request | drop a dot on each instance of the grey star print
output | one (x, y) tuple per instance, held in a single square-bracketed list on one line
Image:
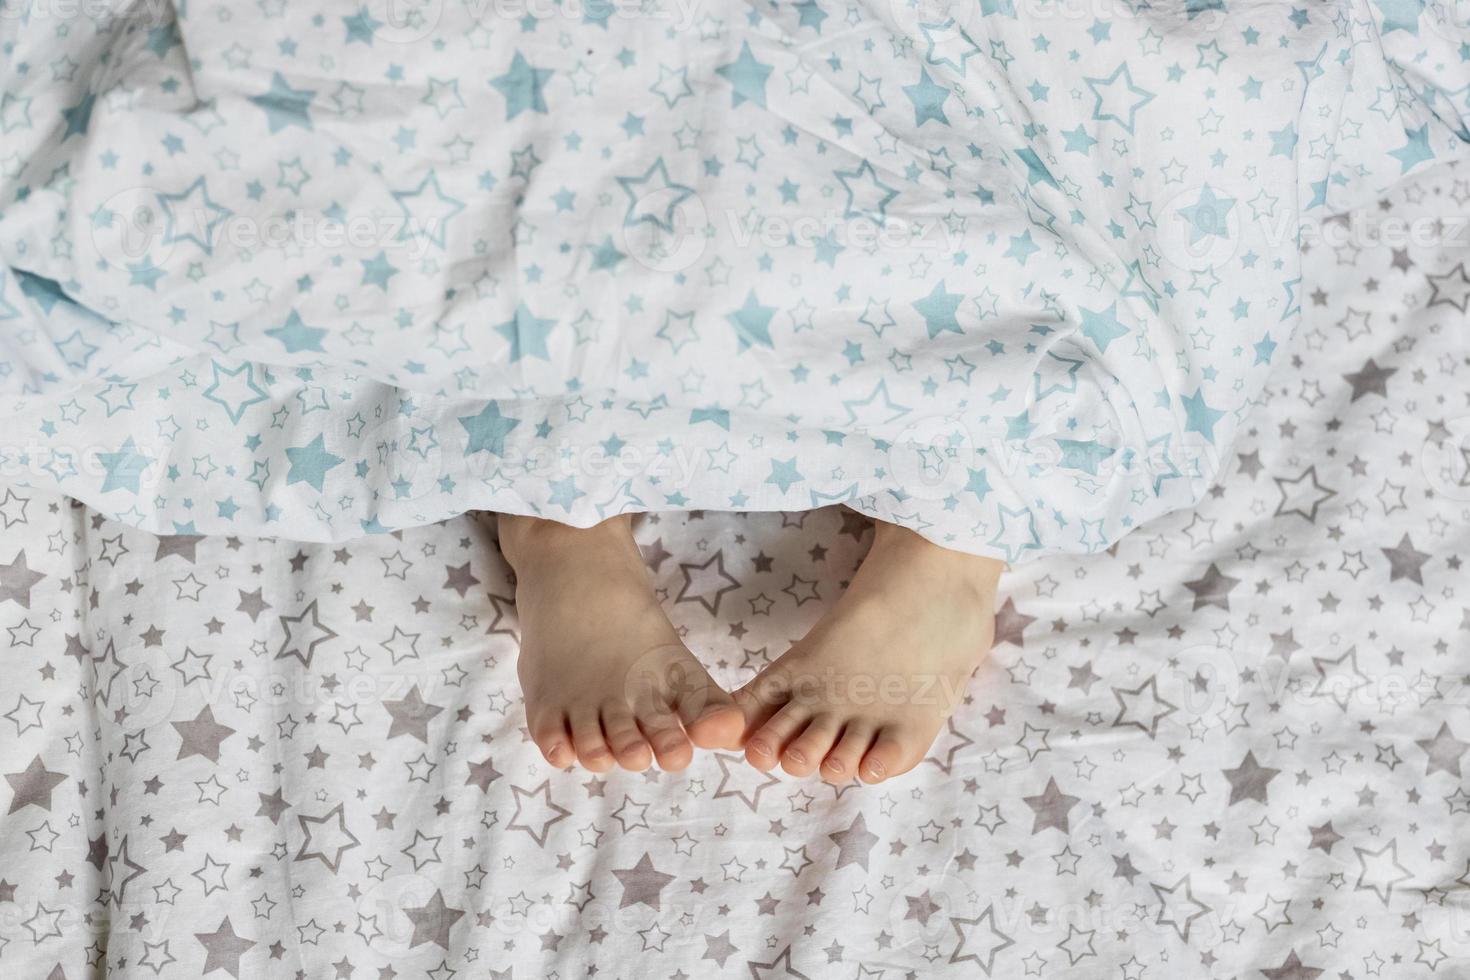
[(1233, 746)]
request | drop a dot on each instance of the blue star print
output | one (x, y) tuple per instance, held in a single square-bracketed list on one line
[(1010, 280)]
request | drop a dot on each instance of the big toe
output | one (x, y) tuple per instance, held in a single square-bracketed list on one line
[(721, 725), (708, 714)]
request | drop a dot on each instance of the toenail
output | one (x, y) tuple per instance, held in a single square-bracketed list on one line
[(833, 764), (795, 755), (759, 747), (875, 769)]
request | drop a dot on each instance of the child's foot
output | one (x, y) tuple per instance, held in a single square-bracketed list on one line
[(867, 690), (606, 680)]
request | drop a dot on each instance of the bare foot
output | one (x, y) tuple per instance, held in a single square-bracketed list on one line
[(606, 680), (867, 690)]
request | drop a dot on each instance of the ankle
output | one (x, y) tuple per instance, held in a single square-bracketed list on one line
[(524, 540), (939, 567)]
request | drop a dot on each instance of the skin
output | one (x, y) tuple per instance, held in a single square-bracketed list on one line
[(606, 679), (863, 695)]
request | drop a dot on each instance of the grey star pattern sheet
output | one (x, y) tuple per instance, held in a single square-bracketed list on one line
[(1006, 274), (1235, 745)]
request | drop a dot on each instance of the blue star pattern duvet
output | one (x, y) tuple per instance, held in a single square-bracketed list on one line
[(1007, 273)]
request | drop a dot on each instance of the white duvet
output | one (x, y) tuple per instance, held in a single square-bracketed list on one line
[(1009, 274)]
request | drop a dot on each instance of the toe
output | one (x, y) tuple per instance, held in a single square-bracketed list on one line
[(592, 750), (763, 749), (807, 750), (841, 764), (707, 711), (549, 732), (719, 726), (670, 745), (627, 743), (890, 756)]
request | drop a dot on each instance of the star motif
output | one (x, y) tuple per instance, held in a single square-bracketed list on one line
[(642, 883), (1209, 217), (747, 78), (482, 774), (535, 812), (928, 99), (997, 942), (326, 837), (938, 310), (32, 786), (654, 198), (854, 844), (433, 921), (1112, 93), (1102, 327), (285, 106), (1050, 808), (1212, 589), (1370, 380), (297, 630), (411, 715), (460, 579), (782, 963), (487, 430), (1011, 623), (183, 545), (706, 583), (124, 467), (310, 463), (752, 323), (1249, 780), (1291, 968), (1199, 416), (527, 334), (17, 580), (524, 87), (1406, 561), (223, 949), (1444, 751), (201, 736), (296, 336)]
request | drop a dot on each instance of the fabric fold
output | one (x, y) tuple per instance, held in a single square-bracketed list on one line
[(1009, 279)]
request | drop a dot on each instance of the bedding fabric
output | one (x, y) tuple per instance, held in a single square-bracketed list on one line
[(1236, 745), (1007, 274)]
